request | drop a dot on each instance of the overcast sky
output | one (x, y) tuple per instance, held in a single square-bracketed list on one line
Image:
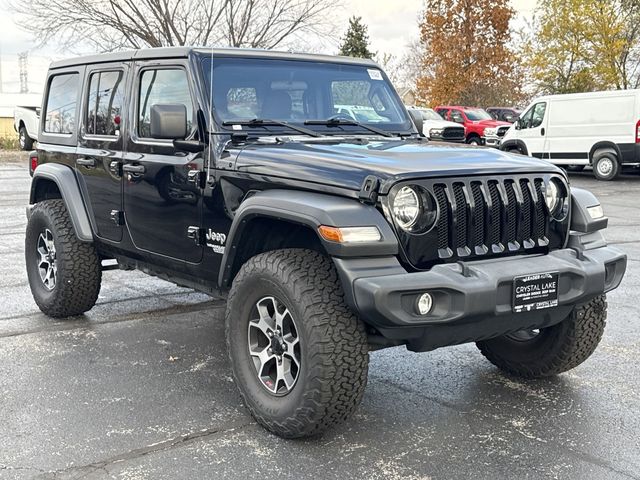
[(392, 25)]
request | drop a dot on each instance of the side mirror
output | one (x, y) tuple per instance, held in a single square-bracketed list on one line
[(517, 124), (168, 121), (418, 121)]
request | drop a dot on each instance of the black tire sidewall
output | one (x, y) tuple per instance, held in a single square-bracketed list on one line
[(249, 292), (38, 223)]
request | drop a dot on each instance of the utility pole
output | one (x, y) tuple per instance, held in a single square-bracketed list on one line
[(23, 65)]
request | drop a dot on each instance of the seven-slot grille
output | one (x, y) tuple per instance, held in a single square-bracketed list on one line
[(490, 216)]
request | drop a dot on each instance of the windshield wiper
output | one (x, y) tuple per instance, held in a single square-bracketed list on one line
[(337, 121), (264, 122)]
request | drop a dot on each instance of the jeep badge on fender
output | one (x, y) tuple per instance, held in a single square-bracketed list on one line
[(298, 188)]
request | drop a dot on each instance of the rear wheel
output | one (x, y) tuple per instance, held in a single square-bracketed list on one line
[(299, 355), (605, 165), (25, 141), (64, 273), (553, 350)]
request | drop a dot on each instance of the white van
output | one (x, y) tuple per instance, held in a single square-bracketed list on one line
[(601, 129)]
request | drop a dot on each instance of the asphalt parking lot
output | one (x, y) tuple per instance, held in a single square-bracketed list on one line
[(140, 388)]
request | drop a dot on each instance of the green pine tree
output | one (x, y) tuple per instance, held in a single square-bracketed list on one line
[(355, 43)]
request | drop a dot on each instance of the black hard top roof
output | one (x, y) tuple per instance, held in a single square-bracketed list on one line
[(183, 52)]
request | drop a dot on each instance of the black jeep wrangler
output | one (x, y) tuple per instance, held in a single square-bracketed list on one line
[(232, 172)]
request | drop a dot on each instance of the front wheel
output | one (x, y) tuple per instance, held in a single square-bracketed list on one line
[(298, 353), (474, 141), (553, 350)]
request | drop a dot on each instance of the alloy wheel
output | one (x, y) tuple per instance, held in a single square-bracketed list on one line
[(47, 266), (274, 345)]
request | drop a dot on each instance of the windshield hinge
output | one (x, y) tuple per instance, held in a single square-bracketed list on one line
[(369, 190)]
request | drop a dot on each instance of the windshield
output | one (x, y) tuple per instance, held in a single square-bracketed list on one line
[(477, 114), (430, 114), (296, 91)]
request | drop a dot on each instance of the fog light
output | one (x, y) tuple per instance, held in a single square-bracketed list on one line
[(425, 302)]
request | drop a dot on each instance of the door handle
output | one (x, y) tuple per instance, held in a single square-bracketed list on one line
[(139, 169), (86, 162), (542, 131)]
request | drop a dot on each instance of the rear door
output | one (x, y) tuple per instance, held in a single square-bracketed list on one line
[(100, 146), (162, 203)]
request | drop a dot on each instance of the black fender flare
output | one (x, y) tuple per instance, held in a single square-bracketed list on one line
[(515, 143), (312, 210), (581, 220), (607, 147), (64, 177)]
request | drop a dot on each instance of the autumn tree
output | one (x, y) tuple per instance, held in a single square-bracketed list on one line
[(466, 57), (584, 45), (107, 25), (355, 43)]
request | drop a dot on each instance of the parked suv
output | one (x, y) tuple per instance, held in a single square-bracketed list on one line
[(328, 236), (480, 127)]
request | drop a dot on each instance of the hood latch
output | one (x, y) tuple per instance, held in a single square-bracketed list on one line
[(369, 191)]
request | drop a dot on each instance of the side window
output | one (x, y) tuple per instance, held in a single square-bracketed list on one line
[(456, 116), (60, 111), (104, 106), (162, 87), (538, 114), (525, 119)]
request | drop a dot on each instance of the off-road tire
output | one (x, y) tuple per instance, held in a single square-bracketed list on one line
[(605, 156), (555, 349), (25, 141), (79, 270), (334, 350)]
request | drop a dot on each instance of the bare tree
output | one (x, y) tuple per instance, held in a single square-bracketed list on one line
[(107, 25)]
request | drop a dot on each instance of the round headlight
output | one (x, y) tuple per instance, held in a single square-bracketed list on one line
[(406, 208), (552, 196)]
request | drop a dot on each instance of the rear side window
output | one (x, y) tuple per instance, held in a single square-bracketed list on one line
[(104, 107), (60, 113), (162, 87)]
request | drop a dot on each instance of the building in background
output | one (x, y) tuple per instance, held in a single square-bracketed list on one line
[(22, 78)]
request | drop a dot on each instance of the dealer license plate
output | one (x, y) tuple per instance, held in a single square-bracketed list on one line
[(535, 292)]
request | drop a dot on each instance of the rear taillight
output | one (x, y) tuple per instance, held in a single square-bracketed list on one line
[(33, 162), (638, 131)]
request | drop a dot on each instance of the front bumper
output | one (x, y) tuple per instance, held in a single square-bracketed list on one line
[(473, 300), (492, 141)]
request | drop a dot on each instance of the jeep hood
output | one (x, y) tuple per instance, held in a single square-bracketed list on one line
[(346, 165)]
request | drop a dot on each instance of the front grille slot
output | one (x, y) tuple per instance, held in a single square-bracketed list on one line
[(486, 216)]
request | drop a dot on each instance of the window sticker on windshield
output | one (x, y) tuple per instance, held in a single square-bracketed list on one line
[(374, 74), (236, 127)]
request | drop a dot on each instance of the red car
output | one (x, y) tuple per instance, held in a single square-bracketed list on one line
[(480, 127)]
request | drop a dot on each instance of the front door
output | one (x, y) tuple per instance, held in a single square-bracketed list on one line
[(532, 131), (162, 203), (100, 146)]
